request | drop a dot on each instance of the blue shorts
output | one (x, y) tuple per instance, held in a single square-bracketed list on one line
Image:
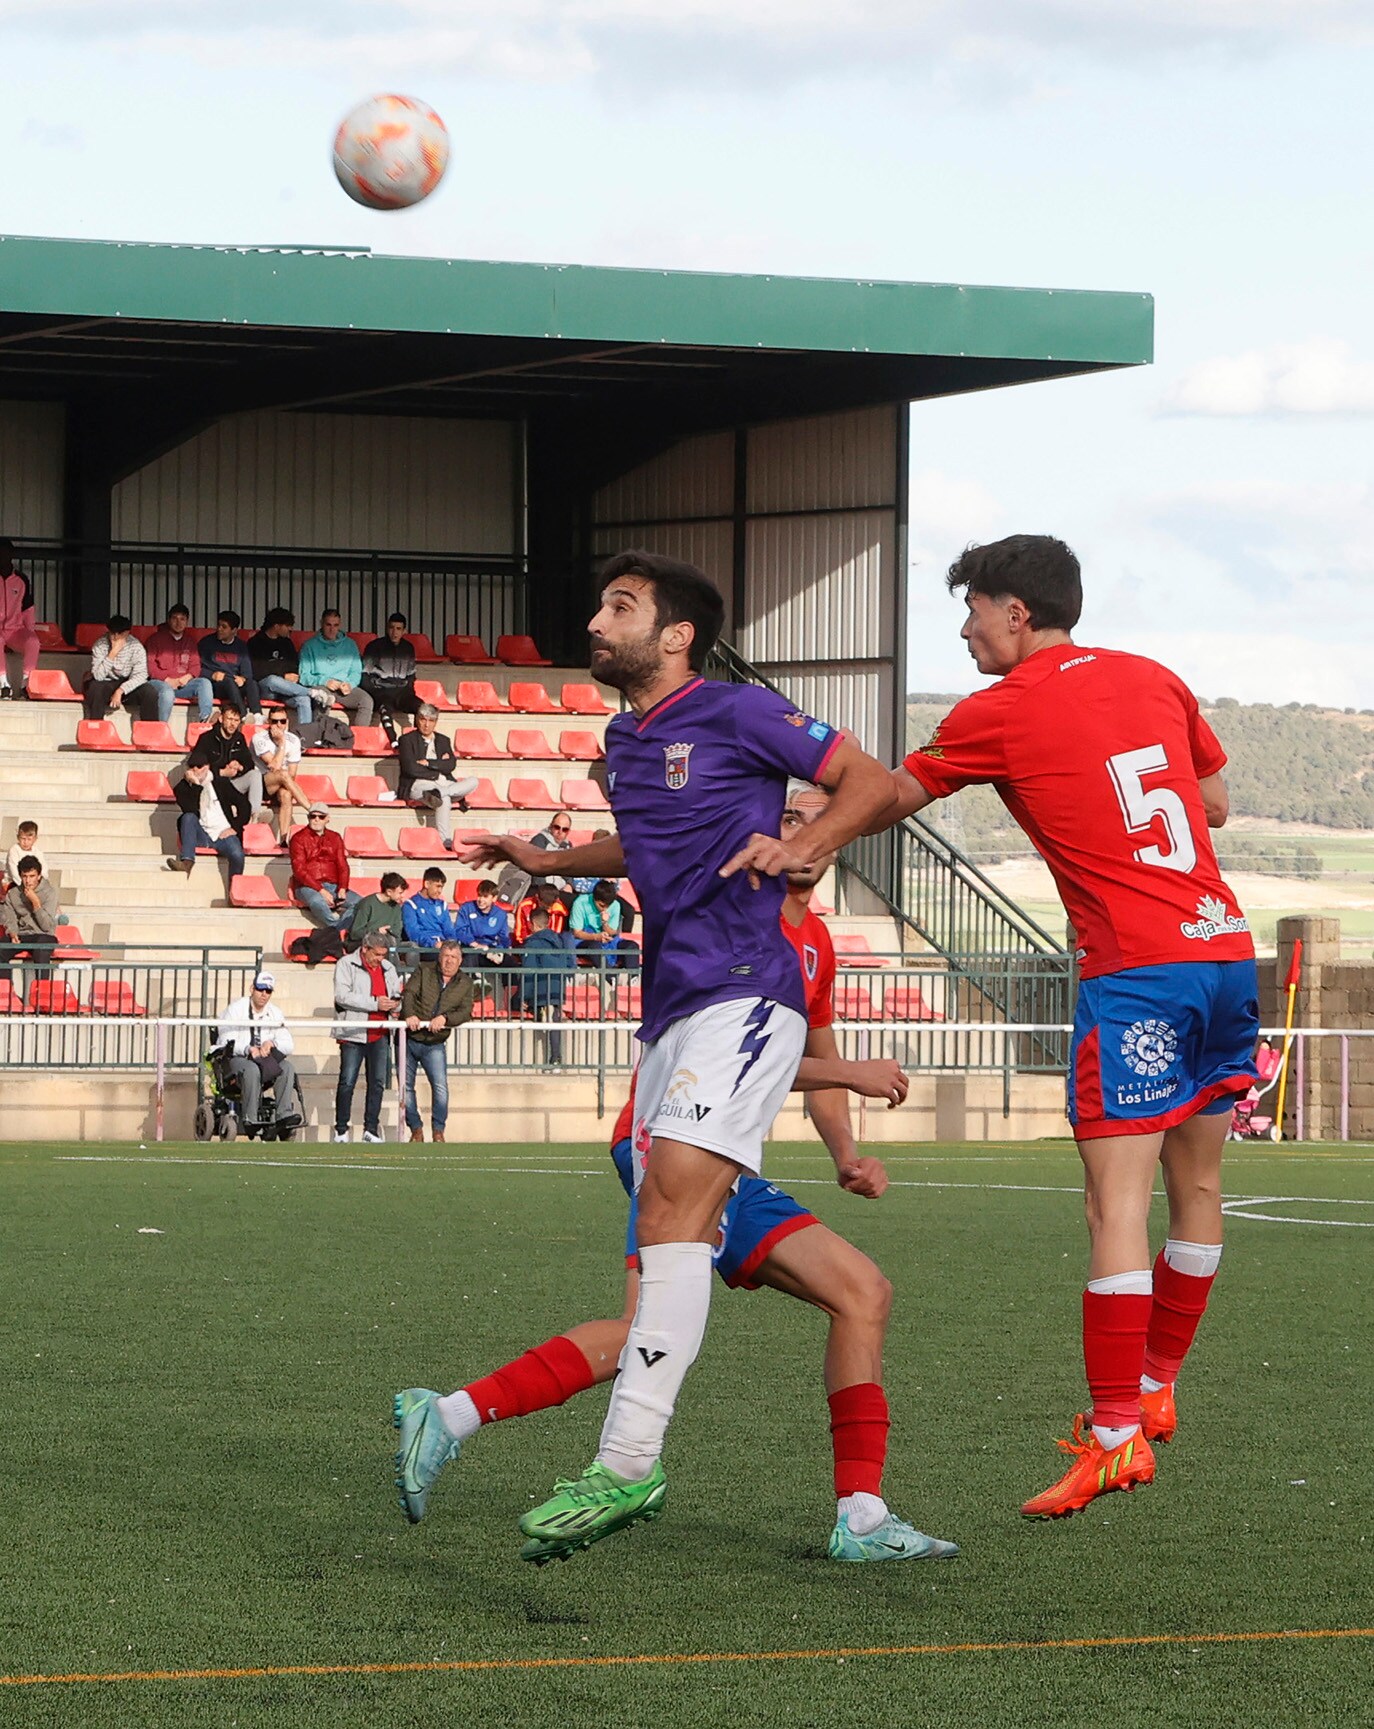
[(757, 1217), (1153, 1046)]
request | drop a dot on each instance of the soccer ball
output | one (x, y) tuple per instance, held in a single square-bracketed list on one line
[(390, 152)]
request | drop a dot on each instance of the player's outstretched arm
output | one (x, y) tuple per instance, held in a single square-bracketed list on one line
[(598, 858), (861, 796), (908, 796)]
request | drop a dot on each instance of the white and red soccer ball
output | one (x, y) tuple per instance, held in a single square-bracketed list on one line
[(390, 152)]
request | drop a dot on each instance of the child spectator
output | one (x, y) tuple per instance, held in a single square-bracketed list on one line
[(595, 926), (25, 846), (547, 960), (484, 924), (547, 897)]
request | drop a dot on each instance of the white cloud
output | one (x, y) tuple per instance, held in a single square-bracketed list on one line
[(1319, 377), (946, 512)]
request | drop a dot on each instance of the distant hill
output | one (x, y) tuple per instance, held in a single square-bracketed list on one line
[(1296, 764)]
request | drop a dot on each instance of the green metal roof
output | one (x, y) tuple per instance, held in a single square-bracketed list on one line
[(360, 291)]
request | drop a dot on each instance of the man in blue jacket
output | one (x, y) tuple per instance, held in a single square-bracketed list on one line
[(426, 918), (224, 660), (484, 924), (331, 668)]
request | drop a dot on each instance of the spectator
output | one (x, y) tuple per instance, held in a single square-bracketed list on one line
[(119, 667), (484, 924), (174, 670), (594, 924), (25, 846), (367, 991), (429, 771), (331, 669), (223, 749), (585, 885), (28, 918), (435, 1000), (262, 1045), (381, 912), (16, 621), (214, 813), (319, 871), (547, 961), (224, 661), (278, 751), (389, 673), (513, 884), (276, 665), (547, 898), (427, 919)]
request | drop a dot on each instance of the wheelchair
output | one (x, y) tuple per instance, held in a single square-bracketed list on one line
[(219, 1115)]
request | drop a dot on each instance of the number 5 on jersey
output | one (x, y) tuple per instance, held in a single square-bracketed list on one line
[(1140, 805)]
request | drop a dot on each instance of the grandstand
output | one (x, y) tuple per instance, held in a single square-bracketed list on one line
[(463, 441)]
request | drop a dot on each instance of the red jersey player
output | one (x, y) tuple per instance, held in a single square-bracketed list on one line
[(1106, 763)]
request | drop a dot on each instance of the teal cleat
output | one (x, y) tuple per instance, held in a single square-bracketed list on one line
[(581, 1513), (426, 1447), (893, 1540)]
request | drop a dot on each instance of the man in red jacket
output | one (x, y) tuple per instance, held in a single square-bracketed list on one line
[(319, 872)]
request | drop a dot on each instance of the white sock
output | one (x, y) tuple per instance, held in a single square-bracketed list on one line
[(863, 1513), (459, 1415), (1194, 1260), (1148, 1384), (1111, 1437), (665, 1336), (1139, 1284), (4, 681)]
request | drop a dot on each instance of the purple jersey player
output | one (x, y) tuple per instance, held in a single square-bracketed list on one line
[(697, 773)]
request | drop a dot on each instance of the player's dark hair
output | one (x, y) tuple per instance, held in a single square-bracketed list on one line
[(682, 595), (392, 880), (604, 893), (178, 606), (227, 707), (434, 875), (279, 615), (230, 617), (397, 618), (118, 623), (539, 917), (486, 887), (29, 863), (1036, 569), (28, 826)]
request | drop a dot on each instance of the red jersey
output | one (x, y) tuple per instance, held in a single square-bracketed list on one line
[(1098, 756)]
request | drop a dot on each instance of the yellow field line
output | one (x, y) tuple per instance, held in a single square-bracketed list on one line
[(673, 1658)]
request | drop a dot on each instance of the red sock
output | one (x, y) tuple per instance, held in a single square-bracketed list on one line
[(858, 1432), (1114, 1355), (1180, 1301), (548, 1375)]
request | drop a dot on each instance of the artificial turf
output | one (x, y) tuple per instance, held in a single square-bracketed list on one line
[(199, 1456)]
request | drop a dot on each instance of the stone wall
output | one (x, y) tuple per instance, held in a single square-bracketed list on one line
[(1332, 992)]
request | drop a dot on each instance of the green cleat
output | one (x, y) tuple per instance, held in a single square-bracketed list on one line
[(581, 1513), (893, 1540), (426, 1447)]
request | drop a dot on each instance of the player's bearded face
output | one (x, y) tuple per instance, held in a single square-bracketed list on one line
[(625, 648)]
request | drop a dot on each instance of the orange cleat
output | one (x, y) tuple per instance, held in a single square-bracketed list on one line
[(1159, 1415), (1095, 1471)]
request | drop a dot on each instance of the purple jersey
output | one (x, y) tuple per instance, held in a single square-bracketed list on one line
[(689, 783)]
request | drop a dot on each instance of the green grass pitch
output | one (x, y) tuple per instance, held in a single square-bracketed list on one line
[(198, 1455)]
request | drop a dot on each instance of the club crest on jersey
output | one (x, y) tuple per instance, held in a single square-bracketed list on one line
[(811, 962), (676, 760)]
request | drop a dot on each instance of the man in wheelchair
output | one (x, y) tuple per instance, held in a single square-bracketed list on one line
[(253, 1057)]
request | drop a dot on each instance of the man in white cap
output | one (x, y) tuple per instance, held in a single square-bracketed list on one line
[(262, 1045)]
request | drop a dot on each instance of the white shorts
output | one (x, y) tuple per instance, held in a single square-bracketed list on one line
[(718, 1078)]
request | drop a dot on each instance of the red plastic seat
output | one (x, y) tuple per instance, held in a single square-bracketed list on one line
[(11, 1003), (431, 691), (52, 997), (194, 729), (582, 1001), (371, 741), (852, 949), (488, 1009), (87, 635), (299, 638), (114, 997), (484, 796), (148, 786), (319, 787), (259, 841), (422, 843), (48, 686), (365, 842), (580, 747), (519, 651), (246, 891), (425, 652), (468, 651), (100, 735), (903, 1000), (528, 744), (154, 735), (853, 1001), (627, 893), (364, 885), (476, 743), (143, 631), (288, 937), (51, 639), (529, 794), (583, 795), (465, 889), (478, 696), (584, 699), (365, 789), (533, 699)]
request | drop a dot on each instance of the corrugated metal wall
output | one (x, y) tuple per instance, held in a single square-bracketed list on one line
[(350, 482), (32, 478)]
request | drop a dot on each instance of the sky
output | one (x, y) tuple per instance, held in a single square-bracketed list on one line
[(1215, 153)]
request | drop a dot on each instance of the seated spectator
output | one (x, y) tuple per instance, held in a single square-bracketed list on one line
[(594, 923), (319, 871), (547, 898), (16, 621), (434, 1001), (513, 884), (25, 846), (382, 912), (119, 667), (224, 750), (262, 1045), (389, 673), (224, 661), (484, 924), (547, 961), (214, 813), (426, 919), (278, 751), (276, 665), (331, 669), (174, 669), (585, 885), (28, 918), (429, 771)]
